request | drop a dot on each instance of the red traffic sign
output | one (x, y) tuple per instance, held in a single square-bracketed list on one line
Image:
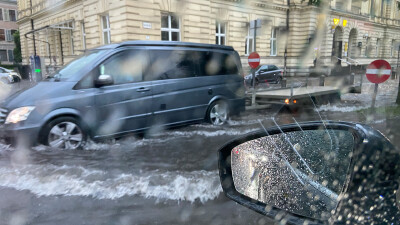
[(254, 60), (378, 71)]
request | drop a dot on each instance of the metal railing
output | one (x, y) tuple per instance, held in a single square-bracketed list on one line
[(355, 61), (343, 60)]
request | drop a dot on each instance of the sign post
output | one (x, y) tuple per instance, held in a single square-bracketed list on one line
[(254, 62), (378, 72)]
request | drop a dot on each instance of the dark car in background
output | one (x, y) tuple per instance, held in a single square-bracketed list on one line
[(266, 74), (129, 87)]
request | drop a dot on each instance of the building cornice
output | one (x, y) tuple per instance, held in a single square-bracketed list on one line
[(45, 10)]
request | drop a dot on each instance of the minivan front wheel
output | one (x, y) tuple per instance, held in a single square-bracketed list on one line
[(218, 113), (65, 133)]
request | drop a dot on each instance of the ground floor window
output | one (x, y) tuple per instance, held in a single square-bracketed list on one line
[(10, 55), (3, 55)]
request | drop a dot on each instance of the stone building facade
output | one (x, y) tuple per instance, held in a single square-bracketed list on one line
[(8, 26), (340, 32)]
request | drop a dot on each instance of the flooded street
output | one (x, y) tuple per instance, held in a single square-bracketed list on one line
[(166, 177)]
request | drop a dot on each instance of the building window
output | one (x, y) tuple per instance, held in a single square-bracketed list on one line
[(220, 33), (9, 35), (83, 35), (170, 27), (106, 29), (249, 46), (13, 15), (72, 42), (1, 14), (2, 35), (392, 48), (366, 53), (3, 55), (10, 55), (6, 14), (273, 42), (377, 47)]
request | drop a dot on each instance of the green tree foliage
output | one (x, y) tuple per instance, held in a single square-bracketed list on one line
[(17, 49)]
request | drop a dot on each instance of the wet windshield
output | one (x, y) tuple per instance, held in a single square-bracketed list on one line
[(135, 140)]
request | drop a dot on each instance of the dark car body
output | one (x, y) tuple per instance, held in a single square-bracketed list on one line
[(266, 73), (175, 84)]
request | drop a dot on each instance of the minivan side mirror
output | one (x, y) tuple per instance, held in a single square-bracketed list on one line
[(104, 80), (314, 173)]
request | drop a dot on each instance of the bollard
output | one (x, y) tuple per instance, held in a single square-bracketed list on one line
[(352, 75), (283, 83), (322, 80)]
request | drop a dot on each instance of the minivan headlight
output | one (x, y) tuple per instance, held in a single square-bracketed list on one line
[(19, 114)]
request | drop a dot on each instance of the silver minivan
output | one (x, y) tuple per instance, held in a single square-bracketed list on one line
[(124, 88)]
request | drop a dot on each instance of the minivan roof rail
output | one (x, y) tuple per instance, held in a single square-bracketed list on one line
[(167, 43)]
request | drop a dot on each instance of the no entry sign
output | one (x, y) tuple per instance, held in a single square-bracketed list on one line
[(254, 60), (378, 71)]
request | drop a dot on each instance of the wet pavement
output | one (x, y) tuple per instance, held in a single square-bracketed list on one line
[(167, 177)]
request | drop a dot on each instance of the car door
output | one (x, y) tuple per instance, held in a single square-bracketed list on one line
[(262, 73), (271, 73), (124, 106), (176, 96)]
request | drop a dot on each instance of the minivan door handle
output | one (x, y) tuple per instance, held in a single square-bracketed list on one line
[(143, 89)]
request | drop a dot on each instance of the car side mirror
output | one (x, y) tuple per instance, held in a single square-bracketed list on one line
[(104, 80), (312, 173)]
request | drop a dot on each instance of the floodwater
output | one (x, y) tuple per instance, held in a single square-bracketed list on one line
[(167, 177)]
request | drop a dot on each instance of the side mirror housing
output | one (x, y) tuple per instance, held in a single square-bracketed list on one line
[(104, 80), (313, 173)]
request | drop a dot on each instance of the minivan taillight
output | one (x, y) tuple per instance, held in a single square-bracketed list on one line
[(282, 73)]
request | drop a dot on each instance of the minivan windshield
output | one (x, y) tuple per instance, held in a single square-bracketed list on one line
[(76, 65)]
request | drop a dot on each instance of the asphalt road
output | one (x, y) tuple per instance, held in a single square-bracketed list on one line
[(168, 177)]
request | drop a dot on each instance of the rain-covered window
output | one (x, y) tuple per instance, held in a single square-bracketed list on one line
[(273, 41), (105, 21), (170, 28), (220, 33), (124, 67)]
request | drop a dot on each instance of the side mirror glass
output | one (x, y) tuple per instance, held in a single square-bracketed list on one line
[(104, 80), (313, 173), (302, 172)]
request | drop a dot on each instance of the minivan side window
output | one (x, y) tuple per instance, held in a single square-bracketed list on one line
[(124, 67), (169, 64), (217, 63)]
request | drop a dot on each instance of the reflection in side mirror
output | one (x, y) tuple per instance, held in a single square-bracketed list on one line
[(302, 172), (104, 80)]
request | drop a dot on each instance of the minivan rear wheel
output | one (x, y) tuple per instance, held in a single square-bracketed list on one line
[(218, 113), (65, 133)]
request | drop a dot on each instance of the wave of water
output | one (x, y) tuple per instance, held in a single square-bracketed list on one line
[(50, 180), (338, 108)]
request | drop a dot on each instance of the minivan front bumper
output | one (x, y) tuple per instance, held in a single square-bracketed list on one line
[(20, 134)]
